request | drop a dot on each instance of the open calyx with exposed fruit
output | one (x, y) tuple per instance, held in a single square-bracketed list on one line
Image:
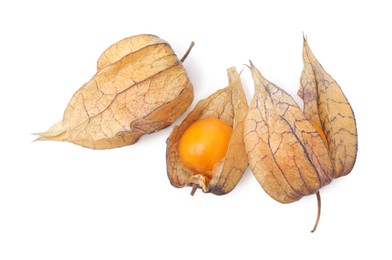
[(207, 149)]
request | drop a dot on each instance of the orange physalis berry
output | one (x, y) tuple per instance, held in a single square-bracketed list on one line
[(203, 144)]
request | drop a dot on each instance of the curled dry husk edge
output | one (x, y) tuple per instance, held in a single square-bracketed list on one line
[(230, 105)]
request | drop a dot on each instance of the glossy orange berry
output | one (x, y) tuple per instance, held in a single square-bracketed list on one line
[(203, 144)]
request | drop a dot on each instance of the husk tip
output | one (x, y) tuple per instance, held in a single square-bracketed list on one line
[(232, 70), (39, 138), (254, 70), (305, 37), (251, 64)]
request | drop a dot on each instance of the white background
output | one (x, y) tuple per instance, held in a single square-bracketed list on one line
[(62, 201)]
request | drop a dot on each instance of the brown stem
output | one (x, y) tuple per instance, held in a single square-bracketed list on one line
[(318, 211), (194, 188), (187, 52)]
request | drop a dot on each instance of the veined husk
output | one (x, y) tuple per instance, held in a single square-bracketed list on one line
[(286, 153), (140, 87), (230, 105), (327, 106)]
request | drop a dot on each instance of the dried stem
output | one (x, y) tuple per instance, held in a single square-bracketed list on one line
[(187, 52), (318, 211), (194, 188)]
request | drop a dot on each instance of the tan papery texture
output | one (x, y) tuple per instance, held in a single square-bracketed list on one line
[(230, 105), (140, 87), (326, 105), (286, 153)]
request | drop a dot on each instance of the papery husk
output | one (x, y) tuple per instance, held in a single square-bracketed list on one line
[(230, 105), (140, 87), (286, 153), (327, 106)]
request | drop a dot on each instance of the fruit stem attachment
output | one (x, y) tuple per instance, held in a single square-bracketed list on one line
[(318, 211), (187, 52), (194, 188)]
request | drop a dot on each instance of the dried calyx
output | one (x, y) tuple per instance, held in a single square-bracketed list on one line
[(228, 105), (140, 87), (293, 153)]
